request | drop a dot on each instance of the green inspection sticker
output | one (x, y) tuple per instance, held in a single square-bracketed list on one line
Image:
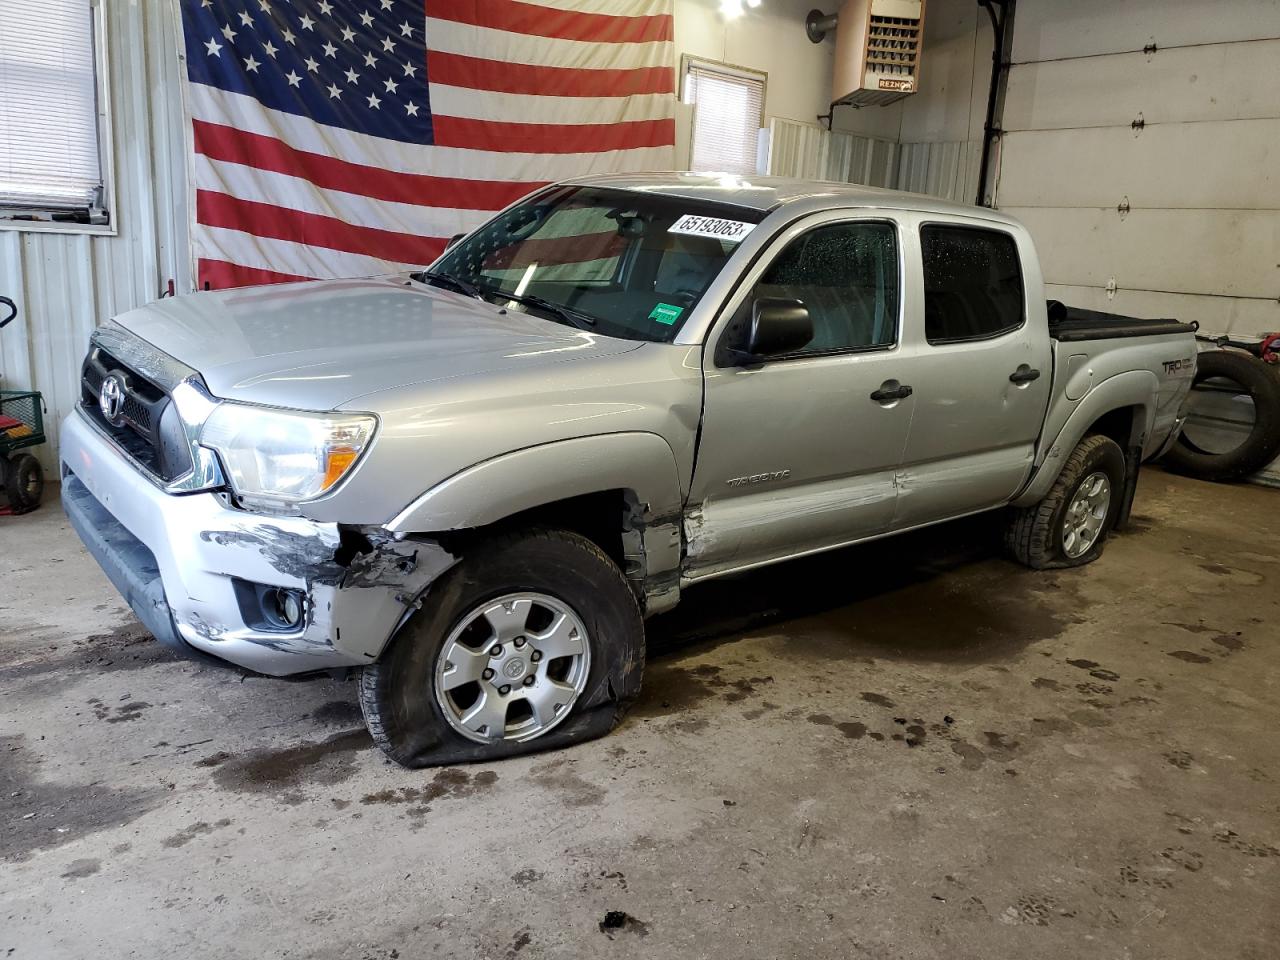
[(666, 313)]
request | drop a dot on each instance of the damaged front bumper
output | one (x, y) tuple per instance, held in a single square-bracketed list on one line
[(186, 564)]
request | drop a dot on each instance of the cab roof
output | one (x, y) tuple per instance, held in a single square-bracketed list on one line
[(769, 193)]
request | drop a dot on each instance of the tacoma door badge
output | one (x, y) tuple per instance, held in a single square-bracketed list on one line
[(759, 478)]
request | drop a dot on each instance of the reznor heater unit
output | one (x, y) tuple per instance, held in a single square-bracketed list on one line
[(877, 49)]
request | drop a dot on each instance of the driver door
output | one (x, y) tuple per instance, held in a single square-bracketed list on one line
[(795, 454)]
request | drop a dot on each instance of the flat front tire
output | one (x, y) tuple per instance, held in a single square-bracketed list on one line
[(532, 641), (1069, 527)]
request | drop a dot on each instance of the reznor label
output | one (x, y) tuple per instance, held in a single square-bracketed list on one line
[(889, 83), (730, 230)]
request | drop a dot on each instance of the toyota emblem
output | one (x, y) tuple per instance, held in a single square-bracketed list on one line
[(111, 399)]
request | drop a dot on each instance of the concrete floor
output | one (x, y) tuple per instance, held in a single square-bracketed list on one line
[(913, 749)]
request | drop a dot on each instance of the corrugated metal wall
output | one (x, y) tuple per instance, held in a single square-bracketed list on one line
[(65, 284), (941, 169)]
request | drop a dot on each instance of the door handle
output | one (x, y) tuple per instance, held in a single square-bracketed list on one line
[(1024, 374), (890, 391)]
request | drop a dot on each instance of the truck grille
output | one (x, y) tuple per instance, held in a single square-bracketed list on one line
[(146, 425)]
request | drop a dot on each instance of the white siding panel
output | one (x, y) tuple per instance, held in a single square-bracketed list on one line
[(1222, 82), (66, 284), (1229, 164), (1234, 253), (1046, 29)]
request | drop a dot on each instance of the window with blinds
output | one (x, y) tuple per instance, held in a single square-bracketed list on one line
[(728, 111), (50, 158)]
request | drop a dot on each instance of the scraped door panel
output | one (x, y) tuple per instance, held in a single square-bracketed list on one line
[(795, 456)]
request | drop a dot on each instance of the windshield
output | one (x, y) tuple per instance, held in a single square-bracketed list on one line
[(624, 263)]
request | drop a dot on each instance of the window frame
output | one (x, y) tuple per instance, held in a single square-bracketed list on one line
[(106, 152), (778, 244), (688, 62), (924, 291)]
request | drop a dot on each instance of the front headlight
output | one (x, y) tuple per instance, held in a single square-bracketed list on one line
[(285, 455)]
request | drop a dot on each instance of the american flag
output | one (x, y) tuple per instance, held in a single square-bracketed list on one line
[(338, 139)]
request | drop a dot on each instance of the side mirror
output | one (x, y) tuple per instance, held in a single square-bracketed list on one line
[(454, 239), (778, 326)]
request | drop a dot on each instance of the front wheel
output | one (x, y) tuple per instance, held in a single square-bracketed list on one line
[(532, 641), (1069, 527)]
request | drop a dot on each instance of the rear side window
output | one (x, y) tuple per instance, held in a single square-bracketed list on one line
[(972, 284)]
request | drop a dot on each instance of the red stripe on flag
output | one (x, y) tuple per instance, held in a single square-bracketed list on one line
[(219, 274), (554, 251), (455, 70), (516, 17), (220, 142), (281, 223), (552, 137)]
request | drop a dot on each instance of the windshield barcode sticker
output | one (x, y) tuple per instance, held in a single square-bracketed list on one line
[(731, 230)]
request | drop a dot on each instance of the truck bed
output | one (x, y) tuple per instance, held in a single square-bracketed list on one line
[(1070, 324)]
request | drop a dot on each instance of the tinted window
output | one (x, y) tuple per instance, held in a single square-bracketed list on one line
[(972, 284), (847, 275)]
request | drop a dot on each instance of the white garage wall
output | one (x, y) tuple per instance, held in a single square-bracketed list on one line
[(1187, 137), (65, 284), (1200, 237)]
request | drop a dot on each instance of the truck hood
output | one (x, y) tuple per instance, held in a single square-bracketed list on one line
[(321, 344)]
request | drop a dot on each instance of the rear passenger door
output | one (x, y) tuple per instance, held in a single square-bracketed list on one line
[(981, 374)]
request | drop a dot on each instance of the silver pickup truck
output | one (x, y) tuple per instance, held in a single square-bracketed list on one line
[(475, 482)]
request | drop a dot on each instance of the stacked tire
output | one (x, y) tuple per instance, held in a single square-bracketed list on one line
[(1237, 375)]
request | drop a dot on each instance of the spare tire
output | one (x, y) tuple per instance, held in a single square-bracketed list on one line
[(1233, 418)]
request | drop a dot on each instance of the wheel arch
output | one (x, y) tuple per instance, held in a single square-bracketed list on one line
[(621, 490), (1121, 407)]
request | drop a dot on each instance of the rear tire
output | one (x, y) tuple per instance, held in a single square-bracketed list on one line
[(1069, 527), (1260, 447), (418, 722), (24, 483)]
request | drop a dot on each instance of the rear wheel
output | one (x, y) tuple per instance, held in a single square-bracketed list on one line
[(24, 483), (532, 641), (1069, 527)]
